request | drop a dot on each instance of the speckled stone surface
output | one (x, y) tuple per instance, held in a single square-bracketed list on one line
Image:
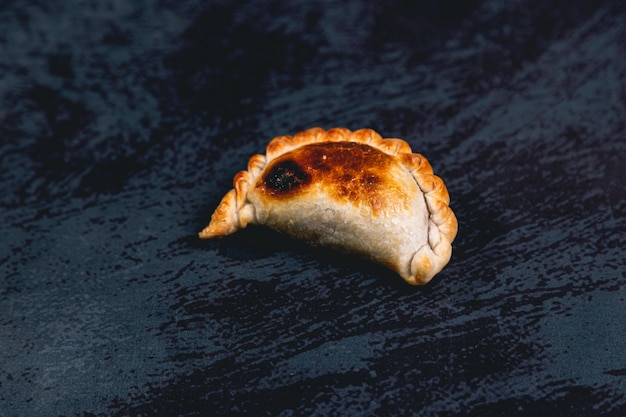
[(123, 123)]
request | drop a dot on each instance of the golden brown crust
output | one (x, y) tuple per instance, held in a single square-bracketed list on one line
[(346, 171), (359, 168)]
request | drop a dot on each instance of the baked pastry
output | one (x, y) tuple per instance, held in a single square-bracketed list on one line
[(353, 191)]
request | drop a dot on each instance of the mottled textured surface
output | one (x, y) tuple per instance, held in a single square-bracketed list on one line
[(122, 124)]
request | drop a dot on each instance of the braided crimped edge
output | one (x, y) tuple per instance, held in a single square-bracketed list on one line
[(235, 212)]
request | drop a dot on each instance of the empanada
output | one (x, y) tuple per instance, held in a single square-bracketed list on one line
[(353, 191)]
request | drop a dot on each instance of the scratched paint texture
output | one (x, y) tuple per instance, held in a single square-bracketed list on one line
[(122, 124)]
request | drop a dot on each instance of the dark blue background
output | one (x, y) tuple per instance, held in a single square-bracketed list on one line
[(123, 123)]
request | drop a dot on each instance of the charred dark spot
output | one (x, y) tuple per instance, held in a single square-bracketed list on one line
[(286, 176)]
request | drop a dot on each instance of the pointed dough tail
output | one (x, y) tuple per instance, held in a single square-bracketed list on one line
[(225, 220), (234, 211)]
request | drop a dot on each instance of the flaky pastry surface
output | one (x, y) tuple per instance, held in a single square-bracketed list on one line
[(353, 191)]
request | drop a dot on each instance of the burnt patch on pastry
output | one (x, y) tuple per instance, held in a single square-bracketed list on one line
[(346, 171), (285, 177)]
